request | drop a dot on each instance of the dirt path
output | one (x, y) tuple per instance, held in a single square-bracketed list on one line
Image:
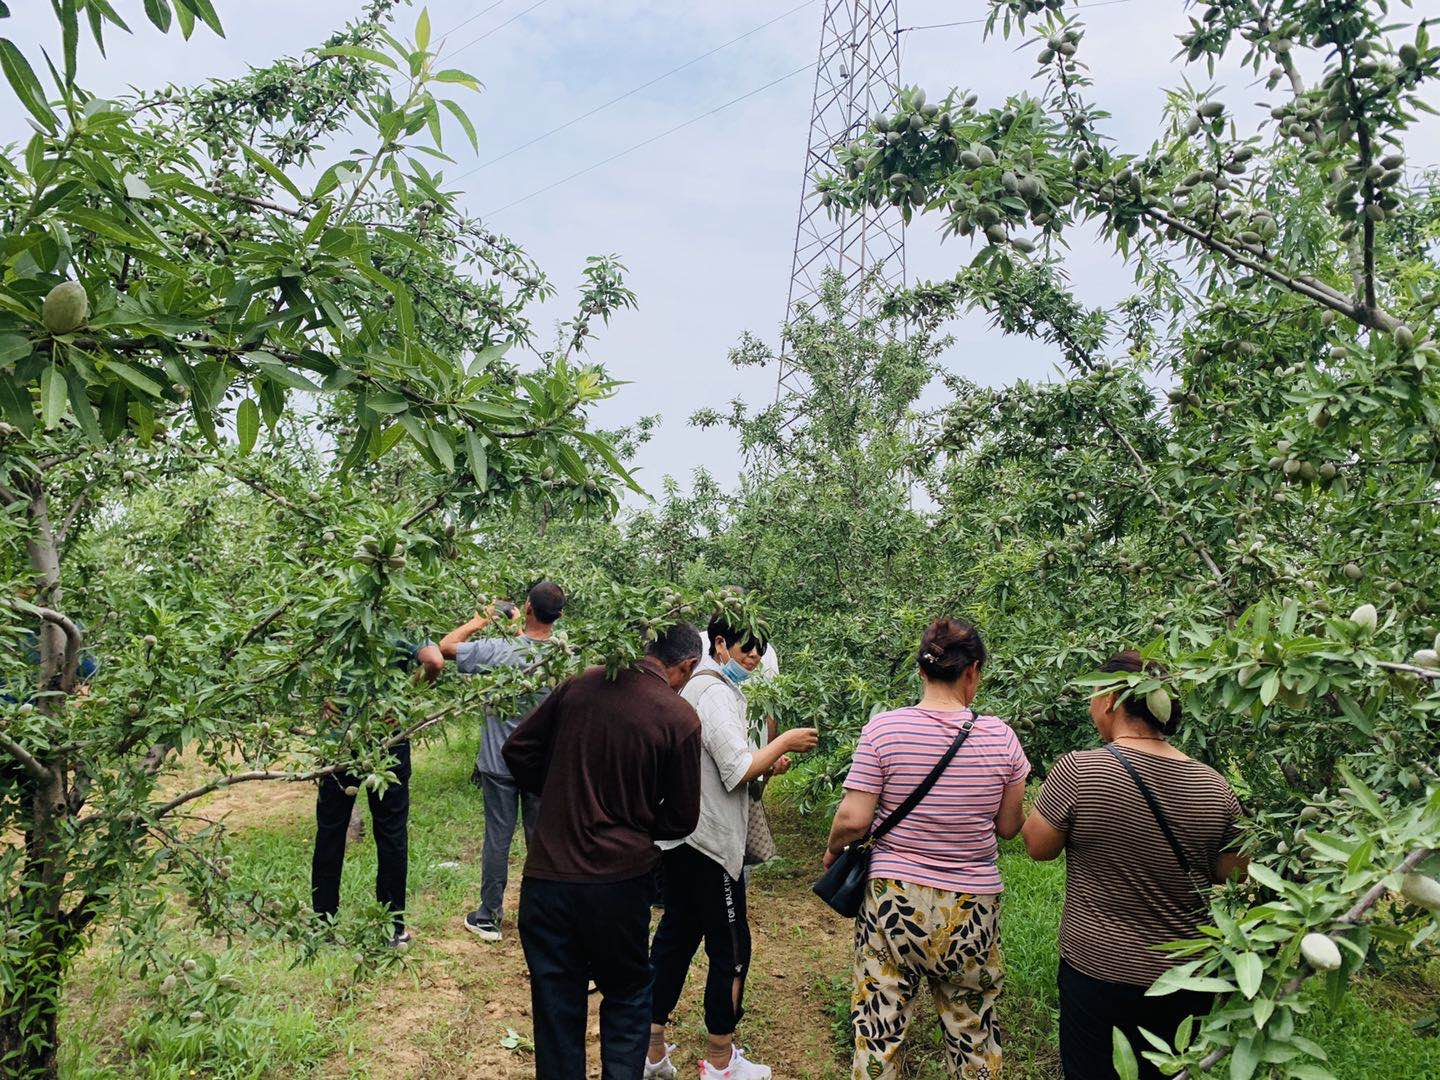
[(446, 1013), (466, 995)]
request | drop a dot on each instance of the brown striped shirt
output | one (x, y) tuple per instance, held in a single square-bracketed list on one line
[(1125, 892)]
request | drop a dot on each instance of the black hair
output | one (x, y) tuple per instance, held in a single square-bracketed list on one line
[(734, 636), (547, 601), (676, 645), (949, 648), (1128, 660)]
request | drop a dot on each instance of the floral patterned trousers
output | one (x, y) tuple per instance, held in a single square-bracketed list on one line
[(909, 935)]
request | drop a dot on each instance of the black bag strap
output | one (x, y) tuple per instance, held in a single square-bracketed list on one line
[(1159, 814), (923, 788)]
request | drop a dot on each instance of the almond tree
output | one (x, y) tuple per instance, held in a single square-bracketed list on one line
[(186, 276), (1287, 288)]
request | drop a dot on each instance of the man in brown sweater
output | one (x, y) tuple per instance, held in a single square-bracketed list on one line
[(616, 763)]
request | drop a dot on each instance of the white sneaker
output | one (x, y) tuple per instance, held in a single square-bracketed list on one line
[(740, 1068), (664, 1069)]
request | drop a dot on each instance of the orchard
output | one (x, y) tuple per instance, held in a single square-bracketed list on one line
[(271, 402)]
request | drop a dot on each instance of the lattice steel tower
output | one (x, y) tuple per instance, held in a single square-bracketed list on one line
[(858, 76)]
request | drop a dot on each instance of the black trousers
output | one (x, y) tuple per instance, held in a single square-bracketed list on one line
[(1091, 1008), (389, 818), (573, 932), (702, 902)]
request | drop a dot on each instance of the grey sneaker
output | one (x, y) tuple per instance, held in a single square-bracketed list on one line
[(484, 929), (664, 1069)]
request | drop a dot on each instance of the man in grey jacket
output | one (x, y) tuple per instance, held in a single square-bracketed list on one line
[(503, 800)]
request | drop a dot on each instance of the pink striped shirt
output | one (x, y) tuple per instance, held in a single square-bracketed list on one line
[(948, 841)]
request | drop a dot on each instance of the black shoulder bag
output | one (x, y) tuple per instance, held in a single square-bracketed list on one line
[(842, 886), (1160, 820)]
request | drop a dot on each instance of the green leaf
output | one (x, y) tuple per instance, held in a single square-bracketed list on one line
[(70, 37), (1244, 1059), (14, 347), (1270, 688), (135, 377), (247, 424), (52, 396), (1123, 1057), (26, 86), (158, 12), (358, 449), (463, 119), (1249, 970), (422, 29), (460, 78), (80, 406), (475, 451), (270, 169), (272, 367), (359, 52), (15, 404), (206, 11), (186, 18), (1268, 878), (1363, 795), (444, 452)]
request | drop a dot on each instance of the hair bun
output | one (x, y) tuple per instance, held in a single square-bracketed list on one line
[(949, 648)]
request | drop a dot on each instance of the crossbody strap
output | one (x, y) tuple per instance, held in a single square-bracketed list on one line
[(1159, 814), (923, 788)]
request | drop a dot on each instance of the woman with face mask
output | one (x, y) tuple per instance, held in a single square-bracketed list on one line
[(704, 888)]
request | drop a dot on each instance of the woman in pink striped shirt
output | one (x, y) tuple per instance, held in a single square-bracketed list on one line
[(932, 909)]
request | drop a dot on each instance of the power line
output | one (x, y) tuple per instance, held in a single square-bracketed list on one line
[(472, 18), (653, 139), (632, 92), (976, 22), (494, 29)]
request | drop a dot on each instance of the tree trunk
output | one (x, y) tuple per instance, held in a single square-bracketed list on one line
[(35, 959)]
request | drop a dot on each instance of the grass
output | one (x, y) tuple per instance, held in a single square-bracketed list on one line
[(446, 1013)]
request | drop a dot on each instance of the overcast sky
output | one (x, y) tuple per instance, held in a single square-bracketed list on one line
[(705, 218)]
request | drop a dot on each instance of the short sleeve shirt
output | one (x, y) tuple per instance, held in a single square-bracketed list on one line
[(484, 654), (948, 841), (1125, 891)]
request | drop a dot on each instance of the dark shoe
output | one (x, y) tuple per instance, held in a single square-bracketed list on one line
[(401, 940), (484, 929)]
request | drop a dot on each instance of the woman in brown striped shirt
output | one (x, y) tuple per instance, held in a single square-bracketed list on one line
[(1128, 888)]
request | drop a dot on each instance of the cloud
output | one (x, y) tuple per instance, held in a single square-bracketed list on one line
[(705, 218)]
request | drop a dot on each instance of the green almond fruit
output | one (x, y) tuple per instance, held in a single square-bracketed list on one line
[(1320, 952), (1426, 658), (969, 159), (1365, 616), (65, 307), (1210, 109), (1159, 703), (1421, 890), (996, 234)]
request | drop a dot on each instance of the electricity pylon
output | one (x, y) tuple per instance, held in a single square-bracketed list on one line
[(858, 76)]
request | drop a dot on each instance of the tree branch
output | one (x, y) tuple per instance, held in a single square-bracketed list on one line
[(28, 760), (1357, 911), (294, 777)]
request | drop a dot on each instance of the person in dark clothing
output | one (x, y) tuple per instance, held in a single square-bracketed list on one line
[(389, 819), (616, 763)]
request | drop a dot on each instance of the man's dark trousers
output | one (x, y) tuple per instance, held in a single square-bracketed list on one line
[(389, 817), (504, 802), (573, 932)]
